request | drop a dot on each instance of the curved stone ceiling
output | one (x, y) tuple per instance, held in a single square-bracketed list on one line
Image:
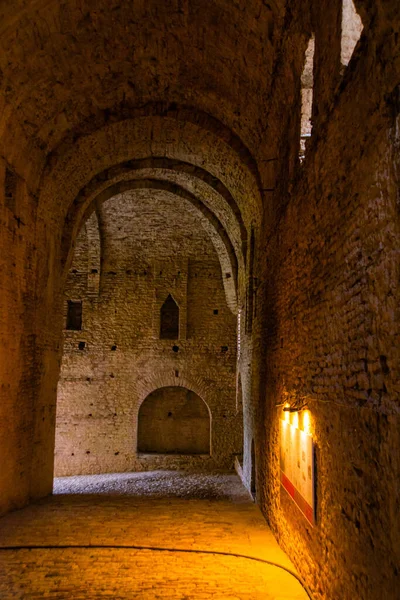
[(104, 155), (66, 63), (210, 223), (189, 178)]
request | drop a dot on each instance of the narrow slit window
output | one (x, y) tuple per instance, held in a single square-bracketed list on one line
[(74, 315), (169, 320), (10, 189), (307, 85), (351, 31)]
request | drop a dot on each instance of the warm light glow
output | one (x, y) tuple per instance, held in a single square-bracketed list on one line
[(297, 466), (307, 422), (295, 421), (286, 412)]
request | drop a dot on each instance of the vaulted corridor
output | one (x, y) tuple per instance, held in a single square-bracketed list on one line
[(145, 535), (199, 273)]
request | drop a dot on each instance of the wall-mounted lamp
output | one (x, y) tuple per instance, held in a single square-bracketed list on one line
[(294, 407), (290, 409)]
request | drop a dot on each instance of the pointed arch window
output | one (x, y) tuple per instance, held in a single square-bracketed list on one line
[(169, 320)]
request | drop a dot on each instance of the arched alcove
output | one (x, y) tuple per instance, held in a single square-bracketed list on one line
[(174, 420)]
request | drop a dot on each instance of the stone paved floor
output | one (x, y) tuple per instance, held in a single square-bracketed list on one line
[(170, 510)]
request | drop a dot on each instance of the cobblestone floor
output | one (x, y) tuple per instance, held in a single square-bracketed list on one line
[(169, 510)]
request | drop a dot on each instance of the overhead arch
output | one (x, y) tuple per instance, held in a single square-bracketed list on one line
[(194, 179), (209, 197), (162, 379), (142, 138), (161, 164), (170, 110), (81, 95), (218, 235)]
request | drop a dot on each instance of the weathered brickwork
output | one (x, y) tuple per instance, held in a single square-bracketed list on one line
[(18, 263), (198, 512), (198, 105), (329, 339), (174, 420), (152, 246)]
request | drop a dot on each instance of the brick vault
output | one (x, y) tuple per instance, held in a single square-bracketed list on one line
[(199, 209)]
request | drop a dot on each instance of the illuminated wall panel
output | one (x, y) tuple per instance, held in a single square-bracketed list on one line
[(297, 468)]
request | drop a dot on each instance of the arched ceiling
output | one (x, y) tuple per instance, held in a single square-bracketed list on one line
[(211, 224), (98, 156), (109, 93), (181, 179), (194, 162), (230, 257), (64, 62), (153, 220)]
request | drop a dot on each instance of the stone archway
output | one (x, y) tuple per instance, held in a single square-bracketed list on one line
[(174, 420)]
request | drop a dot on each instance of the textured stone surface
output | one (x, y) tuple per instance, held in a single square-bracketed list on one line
[(151, 246), (328, 338), (162, 510), (204, 103), (174, 420), (157, 484)]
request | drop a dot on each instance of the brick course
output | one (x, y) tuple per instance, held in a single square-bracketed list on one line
[(151, 246)]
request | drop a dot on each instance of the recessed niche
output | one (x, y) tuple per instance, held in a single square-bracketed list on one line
[(74, 315), (169, 320), (174, 420)]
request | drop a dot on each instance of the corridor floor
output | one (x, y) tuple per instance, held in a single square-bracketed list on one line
[(124, 536)]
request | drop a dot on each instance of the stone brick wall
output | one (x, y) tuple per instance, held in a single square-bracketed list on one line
[(18, 373), (329, 332), (87, 101), (152, 246)]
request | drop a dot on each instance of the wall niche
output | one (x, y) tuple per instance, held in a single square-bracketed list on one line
[(174, 420), (169, 320)]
